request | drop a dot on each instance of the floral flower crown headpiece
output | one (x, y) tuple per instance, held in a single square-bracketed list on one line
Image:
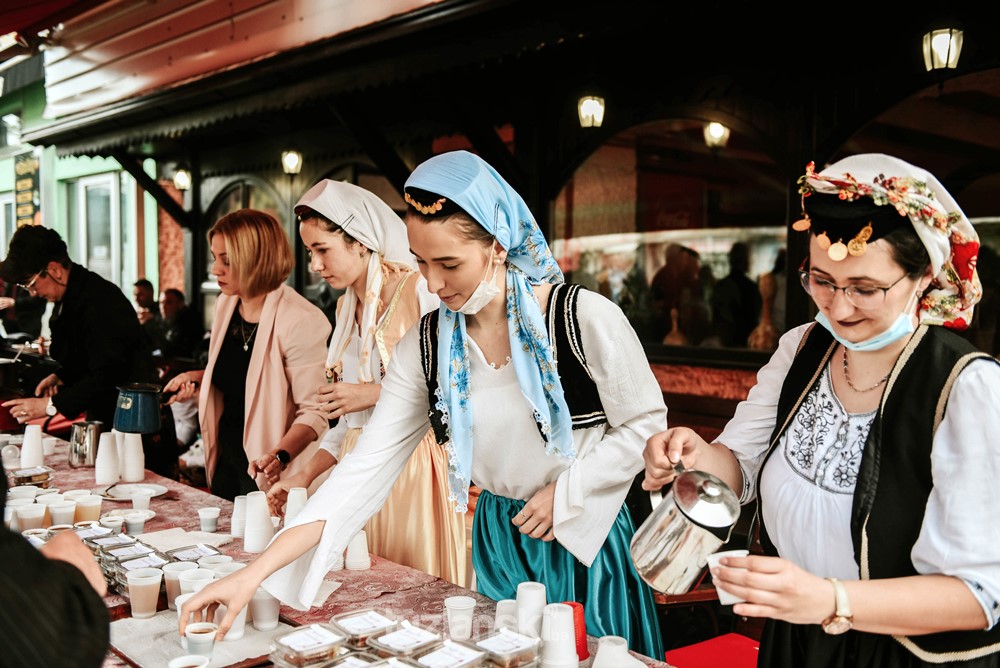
[(909, 196)]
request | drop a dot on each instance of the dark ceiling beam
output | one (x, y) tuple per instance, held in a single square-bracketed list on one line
[(152, 186), (371, 141)]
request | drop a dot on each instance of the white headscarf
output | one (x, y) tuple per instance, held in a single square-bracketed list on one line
[(368, 219), (946, 232)]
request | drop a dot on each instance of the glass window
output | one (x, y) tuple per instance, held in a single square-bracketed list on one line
[(96, 226), (7, 219), (688, 240)]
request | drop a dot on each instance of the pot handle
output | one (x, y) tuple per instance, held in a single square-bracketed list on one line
[(656, 497)]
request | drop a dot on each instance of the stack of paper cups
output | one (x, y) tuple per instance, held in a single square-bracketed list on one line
[(133, 466), (106, 465), (530, 603), (258, 530), (558, 637), (239, 520), (32, 454), (297, 497), (357, 558), (120, 442)]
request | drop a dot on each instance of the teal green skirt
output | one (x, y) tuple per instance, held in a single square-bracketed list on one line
[(616, 601)]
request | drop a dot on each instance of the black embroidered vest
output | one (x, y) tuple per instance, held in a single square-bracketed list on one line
[(894, 479), (581, 393)]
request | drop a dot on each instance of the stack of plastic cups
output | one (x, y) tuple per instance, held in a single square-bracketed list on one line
[(239, 520), (558, 637), (530, 603), (32, 454), (259, 530), (580, 627), (297, 497), (133, 465), (107, 466), (357, 558)]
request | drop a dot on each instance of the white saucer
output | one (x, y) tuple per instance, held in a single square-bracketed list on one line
[(122, 512), (123, 491)]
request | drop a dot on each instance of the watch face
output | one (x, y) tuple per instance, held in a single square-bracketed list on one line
[(283, 457), (837, 625)]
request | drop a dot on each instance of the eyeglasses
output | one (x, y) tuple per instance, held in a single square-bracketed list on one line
[(29, 287), (862, 296)]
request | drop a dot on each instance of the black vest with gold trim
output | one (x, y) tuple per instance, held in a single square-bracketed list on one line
[(581, 393), (894, 479)]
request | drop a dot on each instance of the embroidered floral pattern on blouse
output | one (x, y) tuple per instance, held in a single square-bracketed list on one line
[(826, 443)]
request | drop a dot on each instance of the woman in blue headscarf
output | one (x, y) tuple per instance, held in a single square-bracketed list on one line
[(554, 449)]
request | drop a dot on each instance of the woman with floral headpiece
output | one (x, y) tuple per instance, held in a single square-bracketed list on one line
[(868, 441), (554, 451), (358, 244)]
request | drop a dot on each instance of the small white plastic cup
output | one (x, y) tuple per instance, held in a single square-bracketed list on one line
[(209, 518), (725, 598), (144, 591), (114, 523), (189, 578), (264, 609), (201, 638), (30, 516), (171, 573), (460, 610), (356, 558), (135, 523), (506, 615), (141, 497), (62, 512)]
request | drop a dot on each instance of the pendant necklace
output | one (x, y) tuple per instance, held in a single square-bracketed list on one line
[(246, 339), (847, 376)]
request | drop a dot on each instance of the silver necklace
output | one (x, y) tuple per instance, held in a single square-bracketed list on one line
[(847, 375), (246, 339)]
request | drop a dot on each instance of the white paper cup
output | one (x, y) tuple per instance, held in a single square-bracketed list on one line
[(201, 638), (238, 628), (530, 603), (506, 615), (178, 603), (297, 497), (135, 523), (214, 560), (356, 558), (30, 516), (725, 598), (143, 591), (460, 610), (62, 512), (222, 570), (141, 497), (189, 578), (189, 661), (558, 635), (23, 492), (264, 609), (75, 494), (114, 523), (88, 508), (209, 519), (171, 572)]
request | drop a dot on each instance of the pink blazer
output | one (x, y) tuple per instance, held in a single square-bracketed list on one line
[(286, 368)]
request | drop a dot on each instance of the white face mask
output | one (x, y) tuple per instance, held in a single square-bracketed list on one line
[(485, 291)]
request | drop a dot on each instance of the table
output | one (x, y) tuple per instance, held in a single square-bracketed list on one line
[(402, 590)]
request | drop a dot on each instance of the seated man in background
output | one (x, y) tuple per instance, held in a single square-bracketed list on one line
[(181, 331)]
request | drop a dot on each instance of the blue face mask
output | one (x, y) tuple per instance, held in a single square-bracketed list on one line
[(902, 327)]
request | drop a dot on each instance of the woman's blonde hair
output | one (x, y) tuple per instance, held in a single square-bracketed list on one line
[(260, 256)]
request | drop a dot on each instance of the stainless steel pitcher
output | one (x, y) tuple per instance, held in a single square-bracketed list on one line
[(695, 517), (83, 440)]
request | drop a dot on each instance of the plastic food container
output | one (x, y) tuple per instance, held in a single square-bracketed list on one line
[(406, 640), (451, 654), (192, 552), (508, 649), (306, 645), (39, 476), (355, 660), (152, 560), (359, 625)]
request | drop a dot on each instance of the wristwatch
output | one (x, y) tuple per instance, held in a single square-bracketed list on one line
[(841, 620), (283, 457), (50, 408)]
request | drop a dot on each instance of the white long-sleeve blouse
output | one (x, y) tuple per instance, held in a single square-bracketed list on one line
[(509, 455), (808, 486)]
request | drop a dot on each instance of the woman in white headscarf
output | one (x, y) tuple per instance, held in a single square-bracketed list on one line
[(869, 441), (358, 244)]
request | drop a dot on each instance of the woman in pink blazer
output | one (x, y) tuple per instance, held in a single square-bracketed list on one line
[(257, 402)]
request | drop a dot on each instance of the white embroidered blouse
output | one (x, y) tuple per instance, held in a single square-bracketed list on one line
[(808, 486)]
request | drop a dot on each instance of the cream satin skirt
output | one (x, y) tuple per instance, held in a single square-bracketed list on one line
[(418, 526)]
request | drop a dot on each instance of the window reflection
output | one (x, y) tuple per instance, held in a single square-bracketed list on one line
[(685, 239)]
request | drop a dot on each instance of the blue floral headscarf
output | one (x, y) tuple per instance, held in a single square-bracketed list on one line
[(471, 183)]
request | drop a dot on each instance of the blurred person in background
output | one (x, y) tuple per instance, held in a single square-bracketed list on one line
[(96, 339), (257, 403)]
